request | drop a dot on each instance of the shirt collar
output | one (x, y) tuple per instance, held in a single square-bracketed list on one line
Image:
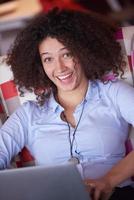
[(93, 93)]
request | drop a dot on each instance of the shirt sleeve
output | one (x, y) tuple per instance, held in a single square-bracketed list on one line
[(13, 136), (123, 95)]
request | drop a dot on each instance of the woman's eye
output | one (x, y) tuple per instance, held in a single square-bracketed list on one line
[(67, 55), (46, 60)]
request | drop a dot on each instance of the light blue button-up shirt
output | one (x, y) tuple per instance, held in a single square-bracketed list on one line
[(99, 140)]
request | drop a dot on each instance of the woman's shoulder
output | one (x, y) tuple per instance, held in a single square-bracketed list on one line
[(115, 86), (29, 104), (29, 107), (117, 91)]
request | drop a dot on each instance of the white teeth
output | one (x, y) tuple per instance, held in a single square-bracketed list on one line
[(64, 77)]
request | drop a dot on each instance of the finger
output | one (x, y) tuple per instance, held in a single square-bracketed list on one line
[(97, 194), (90, 184), (90, 187)]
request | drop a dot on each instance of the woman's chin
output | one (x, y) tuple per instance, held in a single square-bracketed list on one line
[(66, 85)]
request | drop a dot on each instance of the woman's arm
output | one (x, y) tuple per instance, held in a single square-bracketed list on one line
[(123, 170), (13, 135), (105, 185)]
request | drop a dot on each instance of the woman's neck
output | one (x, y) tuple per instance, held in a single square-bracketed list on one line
[(70, 99)]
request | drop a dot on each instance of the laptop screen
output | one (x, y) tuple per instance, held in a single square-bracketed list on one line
[(39, 183)]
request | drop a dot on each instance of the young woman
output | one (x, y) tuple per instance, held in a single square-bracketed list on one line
[(81, 117)]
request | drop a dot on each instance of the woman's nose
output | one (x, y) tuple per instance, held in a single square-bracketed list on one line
[(60, 65)]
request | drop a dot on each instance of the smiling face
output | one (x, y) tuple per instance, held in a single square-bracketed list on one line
[(60, 66)]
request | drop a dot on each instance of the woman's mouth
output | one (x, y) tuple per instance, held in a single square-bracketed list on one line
[(65, 78)]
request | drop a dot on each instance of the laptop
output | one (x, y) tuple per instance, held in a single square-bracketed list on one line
[(42, 183)]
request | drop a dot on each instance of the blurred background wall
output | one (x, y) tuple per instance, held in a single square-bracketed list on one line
[(14, 14)]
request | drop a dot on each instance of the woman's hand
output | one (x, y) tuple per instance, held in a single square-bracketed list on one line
[(99, 189), (102, 189)]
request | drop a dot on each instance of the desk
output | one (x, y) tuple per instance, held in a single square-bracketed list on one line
[(12, 22)]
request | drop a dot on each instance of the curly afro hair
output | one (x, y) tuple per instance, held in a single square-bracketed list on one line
[(89, 37)]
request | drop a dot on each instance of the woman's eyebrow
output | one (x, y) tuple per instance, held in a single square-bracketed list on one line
[(46, 53), (64, 48)]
